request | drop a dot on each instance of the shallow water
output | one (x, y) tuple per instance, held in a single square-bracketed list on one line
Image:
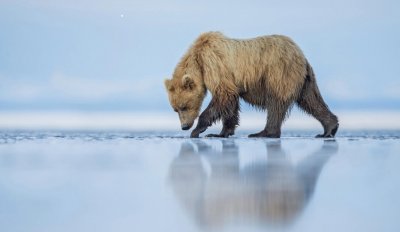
[(152, 181)]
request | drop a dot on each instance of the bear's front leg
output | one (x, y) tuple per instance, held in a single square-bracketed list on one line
[(227, 130), (227, 109), (202, 125), (206, 119), (230, 121)]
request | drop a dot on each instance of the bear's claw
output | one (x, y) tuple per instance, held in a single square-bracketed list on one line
[(264, 134), (324, 136), (217, 135), (213, 135), (329, 134)]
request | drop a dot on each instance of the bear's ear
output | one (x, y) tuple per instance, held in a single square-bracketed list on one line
[(187, 82), (168, 85)]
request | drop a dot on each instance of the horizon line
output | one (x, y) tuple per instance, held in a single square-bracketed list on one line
[(161, 120)]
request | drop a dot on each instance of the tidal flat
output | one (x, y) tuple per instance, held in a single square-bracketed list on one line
[(165, 181)]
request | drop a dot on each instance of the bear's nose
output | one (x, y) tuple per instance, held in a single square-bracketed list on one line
[(185, 127)]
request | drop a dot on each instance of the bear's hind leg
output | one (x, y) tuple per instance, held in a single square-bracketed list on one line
[(276, 115), (311, 101)]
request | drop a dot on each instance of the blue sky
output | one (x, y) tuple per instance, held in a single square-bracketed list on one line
[(114, 55)]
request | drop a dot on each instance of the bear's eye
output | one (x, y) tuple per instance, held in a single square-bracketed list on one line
[(183, 108)]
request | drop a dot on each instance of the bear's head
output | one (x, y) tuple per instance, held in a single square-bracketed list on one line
[(186, 95)]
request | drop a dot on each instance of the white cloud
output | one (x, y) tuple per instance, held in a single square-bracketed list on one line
[(393, 90), (61, 86), (341, 89), (17, 90), (356, 87), (88, 89)]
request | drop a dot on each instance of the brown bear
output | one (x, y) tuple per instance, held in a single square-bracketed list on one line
[(269, 72)]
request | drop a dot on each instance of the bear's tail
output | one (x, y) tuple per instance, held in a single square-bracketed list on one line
[(311, 101)]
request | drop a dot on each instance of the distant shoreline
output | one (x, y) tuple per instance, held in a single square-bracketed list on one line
[(70, 120)]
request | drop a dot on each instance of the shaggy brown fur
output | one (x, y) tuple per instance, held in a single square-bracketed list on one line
[(269, 72)]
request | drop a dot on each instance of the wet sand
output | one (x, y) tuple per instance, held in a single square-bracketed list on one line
[(147, 181)]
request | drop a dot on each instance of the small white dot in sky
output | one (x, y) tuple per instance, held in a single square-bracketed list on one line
[(122, 15)]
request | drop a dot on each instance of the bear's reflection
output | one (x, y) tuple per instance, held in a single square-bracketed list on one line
[(215, 190)]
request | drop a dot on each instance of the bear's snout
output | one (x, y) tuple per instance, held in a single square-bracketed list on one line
[(186, 126)]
